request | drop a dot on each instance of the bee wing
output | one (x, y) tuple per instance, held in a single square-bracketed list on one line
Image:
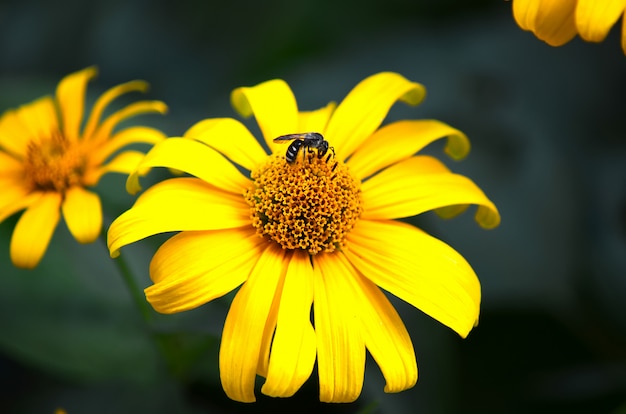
[(289, 137)]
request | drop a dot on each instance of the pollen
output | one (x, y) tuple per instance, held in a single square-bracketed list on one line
[(53, 163), (311, 204)]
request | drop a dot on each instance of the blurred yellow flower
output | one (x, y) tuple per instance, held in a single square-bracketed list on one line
[(46, 163), (557, 21), (314, 234)]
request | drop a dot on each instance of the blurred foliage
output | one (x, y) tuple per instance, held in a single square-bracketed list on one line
[(546, 126)]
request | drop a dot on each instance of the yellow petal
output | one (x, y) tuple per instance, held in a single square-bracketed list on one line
[(418, 269), (194, 158), (231, 138), (39, 118), (384, 333), (400, 140), (103, 133), (34, 230), (124, 163), (366, 106), (340, 346), (71, 98), (193, 268), (316, 121), (14, 135), (132, 135), (178, 204), (105, 99), (16, 198), (245, 323), (82, 212), (407, 189), (595, 18), (273, 105), (293, 349), (550, 20)]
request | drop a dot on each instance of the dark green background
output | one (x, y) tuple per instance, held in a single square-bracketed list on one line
[(549, 148)]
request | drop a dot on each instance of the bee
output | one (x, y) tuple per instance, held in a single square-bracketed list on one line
[(307, 141)]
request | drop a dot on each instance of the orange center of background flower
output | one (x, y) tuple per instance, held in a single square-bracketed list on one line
[(311, 204), (54, 163)]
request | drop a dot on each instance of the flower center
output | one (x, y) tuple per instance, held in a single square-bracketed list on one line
[(311, 204), (54, 163)]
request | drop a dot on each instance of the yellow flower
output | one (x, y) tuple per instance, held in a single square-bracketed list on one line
[(557, 21), (317, 234), (46, 163)]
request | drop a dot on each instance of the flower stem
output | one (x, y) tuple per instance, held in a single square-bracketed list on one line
[(135, 291)]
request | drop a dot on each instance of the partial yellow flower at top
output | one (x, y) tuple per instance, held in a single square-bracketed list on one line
[(309, 228), (556, 22), (47, 162)]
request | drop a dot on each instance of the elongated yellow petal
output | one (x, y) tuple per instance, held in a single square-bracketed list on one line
[(193, 268), (131, 135), (14, 135), (231, 138), (39, 118), (71, 98), (418, 269), (340, 345), (366, 106), (384, 333), (82, 212), (293, 349), (273, 105), (177, 204), (124, 163), (550, 20), (402, 139), (195, 158), (316, 121), (34, 230), (16, 198), (103, 132), (405, 190), (595, 18), (105, 99), (245, 323)]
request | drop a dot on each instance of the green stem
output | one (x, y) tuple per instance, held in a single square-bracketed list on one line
[(135, 291), (162, 344)]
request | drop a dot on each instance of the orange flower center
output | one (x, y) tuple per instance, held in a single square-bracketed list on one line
[(54, 163), (311, 204)]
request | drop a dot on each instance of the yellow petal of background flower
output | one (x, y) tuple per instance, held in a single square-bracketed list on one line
[(82, 212), (419, 269), (177, 204), (231, 138), (595, 18), (550, 20), (384, 333), (245, 323), (125, 163), (193, 268), (131, 135), (316, 121), (14, 135), (406, 189), (194, 158), (103, 132), (39, 118), (340, 346), (366, 106), (34, 230), (105, 99), (293, 349), (71, 98), (273, 105), (400, 140)]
